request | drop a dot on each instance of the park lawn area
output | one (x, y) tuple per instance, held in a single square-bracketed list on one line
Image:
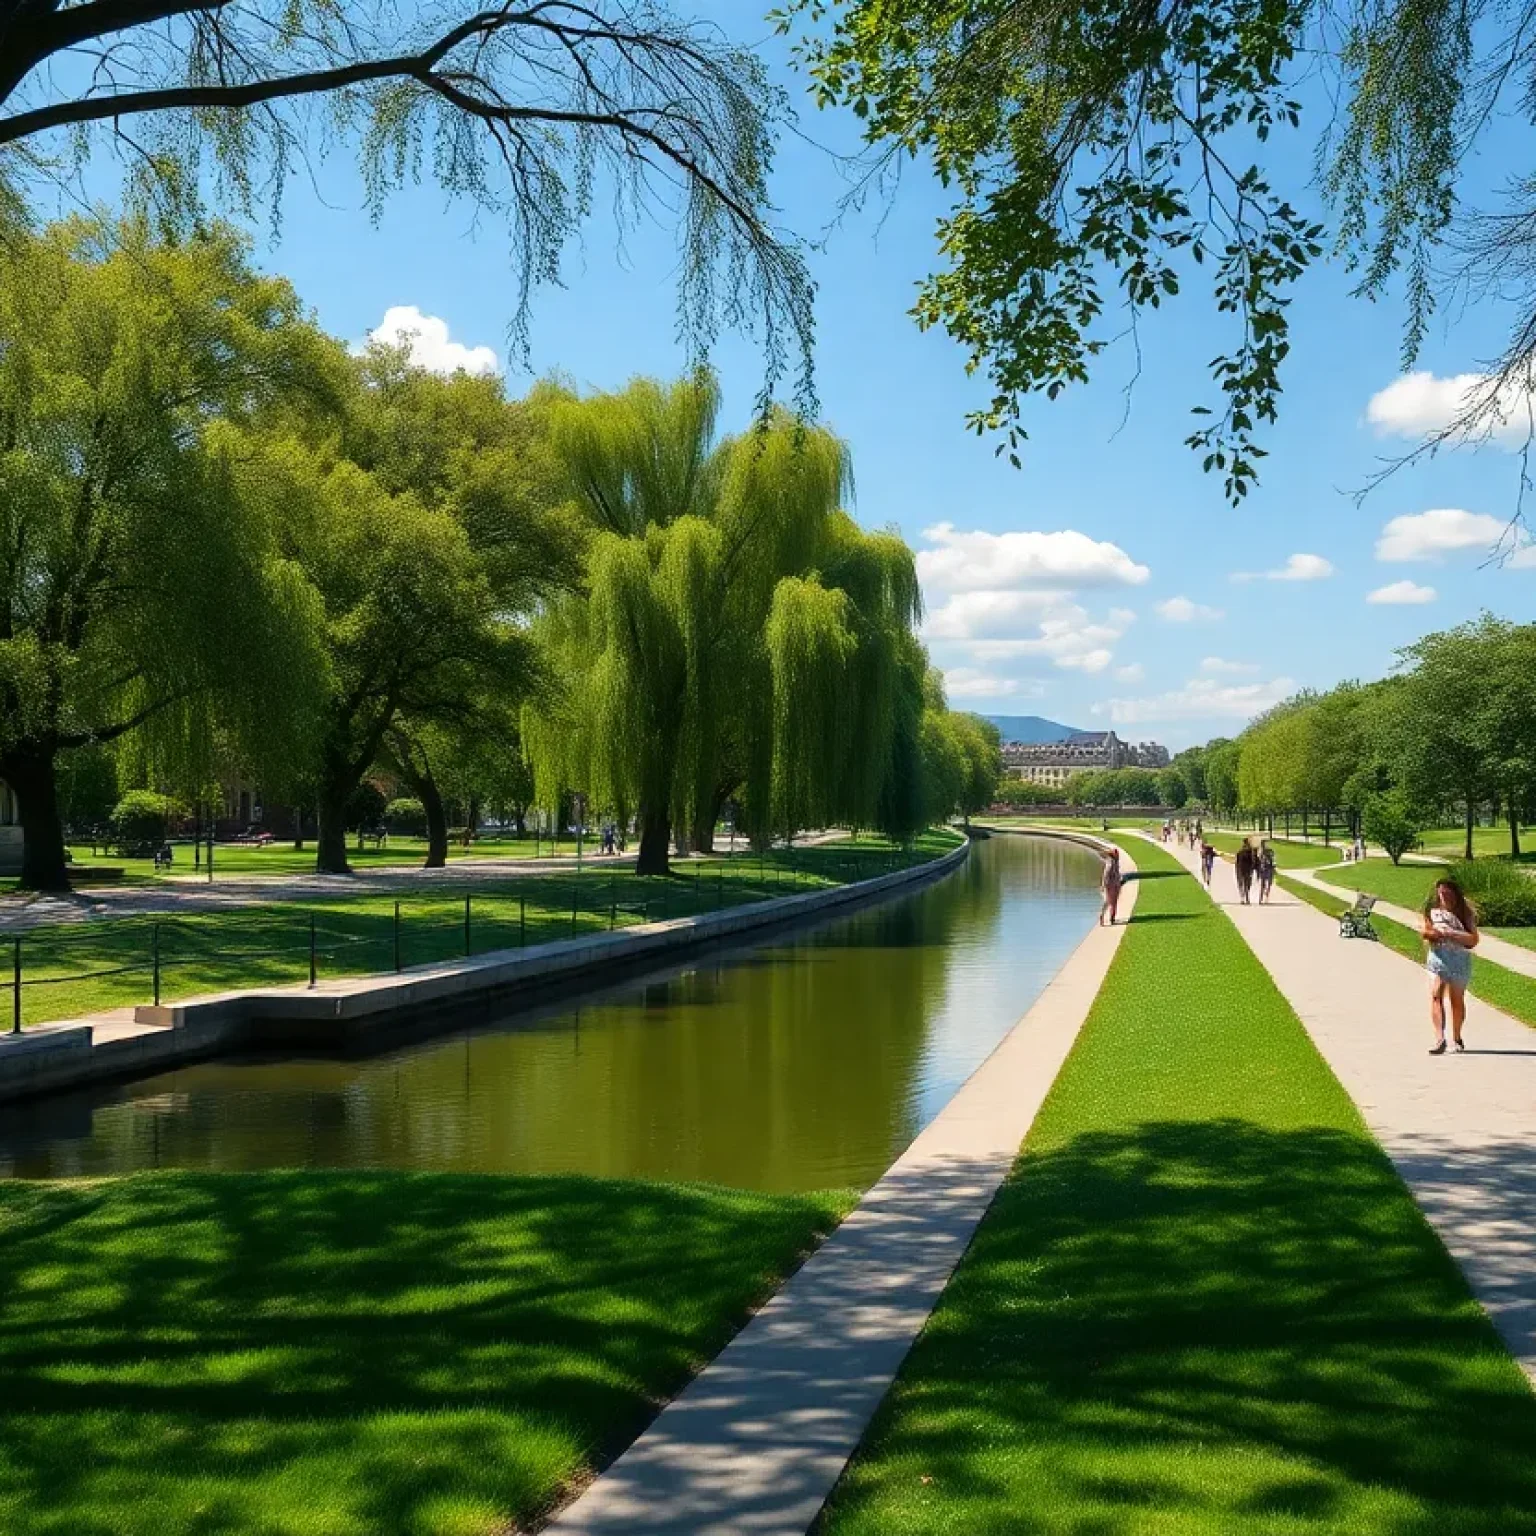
[(74, 969), (1404, 885), (1495, 984), (355, 1354), (1287, 855), (1203, 1303), (1487, 842)]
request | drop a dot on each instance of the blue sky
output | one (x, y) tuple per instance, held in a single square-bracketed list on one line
[(1095, 586)]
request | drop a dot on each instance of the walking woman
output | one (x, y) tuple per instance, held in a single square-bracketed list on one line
[(1109, 886), (1207, 862), (1265, 869), (1450, 932), (1244, 865)]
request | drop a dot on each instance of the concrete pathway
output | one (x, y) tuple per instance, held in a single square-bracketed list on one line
[(756, 1442), (1461, 1130), (1513, 957), (176, 893)]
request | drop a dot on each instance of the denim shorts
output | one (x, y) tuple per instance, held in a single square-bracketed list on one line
[(1449, 962)]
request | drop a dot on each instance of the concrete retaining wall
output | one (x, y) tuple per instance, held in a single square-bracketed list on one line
[(344, 1011)]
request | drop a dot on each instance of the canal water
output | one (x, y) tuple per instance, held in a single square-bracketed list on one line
[(809, 1061)]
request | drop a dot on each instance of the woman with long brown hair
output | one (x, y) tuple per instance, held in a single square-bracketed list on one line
[(1450, 934)]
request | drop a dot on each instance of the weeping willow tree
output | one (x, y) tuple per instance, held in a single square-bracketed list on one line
[(738, 633)]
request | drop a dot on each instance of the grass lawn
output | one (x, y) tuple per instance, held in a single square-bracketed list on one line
[(1287, 855), (1204, 1303), (72, 969), (1404, 885), (375, 1354), (1508, 990), (1487, 842)]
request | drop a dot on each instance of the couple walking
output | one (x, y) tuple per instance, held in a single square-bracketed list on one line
[(1254, 864)]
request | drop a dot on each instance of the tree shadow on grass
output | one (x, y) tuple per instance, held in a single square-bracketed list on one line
[(1203, 1327), (378, 1353)]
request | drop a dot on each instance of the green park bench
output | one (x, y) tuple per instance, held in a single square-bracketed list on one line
[(1356, 923)]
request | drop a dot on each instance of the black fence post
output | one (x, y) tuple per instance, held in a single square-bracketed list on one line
[(154, 946), (522, 923), (397, 935), (613, 905), (311, 949), (575, 898), (16, 985), (468, 947)]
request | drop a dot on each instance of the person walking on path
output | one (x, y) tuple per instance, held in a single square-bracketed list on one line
[(1110, 882), (1450, 932), (1207, 862), (1265, 869), (1244, 864)]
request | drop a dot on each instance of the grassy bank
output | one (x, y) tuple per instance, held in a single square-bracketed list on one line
[(1508, 990), (1204, 1302), (354, 1354), (1404, 885), (72, 969)]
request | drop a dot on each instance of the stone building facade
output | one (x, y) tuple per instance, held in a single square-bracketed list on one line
[(1054, 762)]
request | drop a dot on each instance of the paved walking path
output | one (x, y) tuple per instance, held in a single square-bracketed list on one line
[(20, 913), (1513, 957), (756, 1442), (1461, 1130)]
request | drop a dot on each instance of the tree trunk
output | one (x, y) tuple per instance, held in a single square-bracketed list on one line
[(1471, 812), (437, 819), (1513, 807), (331, 837), (1327, 827), (298, 829), (655, 838), (33, 778)]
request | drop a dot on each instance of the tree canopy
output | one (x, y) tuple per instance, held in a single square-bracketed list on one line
[(1101, 156)]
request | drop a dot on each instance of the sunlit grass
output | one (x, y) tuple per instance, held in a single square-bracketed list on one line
[(1203, 1303), (269, 944)]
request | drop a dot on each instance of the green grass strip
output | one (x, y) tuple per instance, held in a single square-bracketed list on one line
[(1495, 984), (70, 970), (1203, 1303), (358, 1354), (1287, 855)]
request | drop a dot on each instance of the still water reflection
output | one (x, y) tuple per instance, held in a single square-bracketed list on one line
[(808, 1062)]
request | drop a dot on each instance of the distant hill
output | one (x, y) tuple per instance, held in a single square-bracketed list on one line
[(1030, 729)]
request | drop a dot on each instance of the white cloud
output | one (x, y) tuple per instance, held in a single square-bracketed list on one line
[(1201, 698), (427, 337), (1429, 535), (1296, 568), (1524, 558), (1132, 673), (1402, 592), (971, 683), (978, 561), (1422, 405), (1180, 610), (989, 615), (1214, 665), (1067, 637)]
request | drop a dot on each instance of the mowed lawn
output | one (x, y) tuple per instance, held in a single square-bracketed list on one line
[(1203, 1302), (72, 969), (354, 1354), (1405, 885)]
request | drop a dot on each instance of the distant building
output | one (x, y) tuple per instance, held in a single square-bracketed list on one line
[(1054, 762), (10, 831)]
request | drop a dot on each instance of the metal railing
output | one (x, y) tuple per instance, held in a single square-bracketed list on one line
[(594, 900)]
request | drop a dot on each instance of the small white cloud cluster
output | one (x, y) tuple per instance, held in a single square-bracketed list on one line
[(1001, 605), (1201, 698), (1181, 610), (429, 343), (1296, 568), (1423, 405)]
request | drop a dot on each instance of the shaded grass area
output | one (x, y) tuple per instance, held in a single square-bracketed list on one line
[(1287, 855), (1203, 1302), (73, 969), (354, 1354), (1487, 842), (1494, 983)]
